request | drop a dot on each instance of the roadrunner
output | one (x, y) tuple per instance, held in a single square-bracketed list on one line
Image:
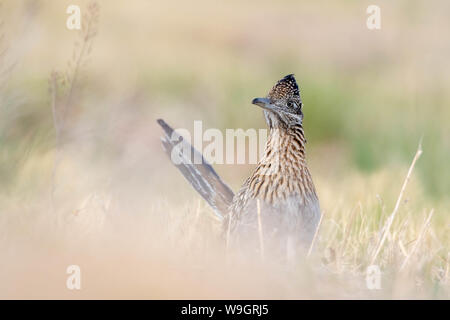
[(277, 204)]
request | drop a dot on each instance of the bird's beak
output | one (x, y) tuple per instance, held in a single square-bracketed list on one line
[(263, 103)]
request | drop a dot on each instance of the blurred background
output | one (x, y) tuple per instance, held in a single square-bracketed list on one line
[(369, 97)]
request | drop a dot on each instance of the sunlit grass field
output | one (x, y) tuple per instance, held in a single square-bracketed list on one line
[(92, 186)]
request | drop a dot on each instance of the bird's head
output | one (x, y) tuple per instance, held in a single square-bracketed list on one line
[(283, 105)]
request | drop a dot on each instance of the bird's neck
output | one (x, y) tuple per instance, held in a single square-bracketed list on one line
[(282, 171), (285, 146)]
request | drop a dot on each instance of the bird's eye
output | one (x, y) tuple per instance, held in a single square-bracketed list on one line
[(291, 104)]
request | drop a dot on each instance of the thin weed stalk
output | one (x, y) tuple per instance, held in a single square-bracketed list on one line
[(397, 204)]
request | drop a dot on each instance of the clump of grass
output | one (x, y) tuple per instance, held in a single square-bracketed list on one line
[(411, 252)]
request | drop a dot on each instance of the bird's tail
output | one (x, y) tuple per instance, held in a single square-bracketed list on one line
[(199, 173)]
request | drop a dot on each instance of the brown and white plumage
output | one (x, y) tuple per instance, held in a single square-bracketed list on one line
[(281, 182)]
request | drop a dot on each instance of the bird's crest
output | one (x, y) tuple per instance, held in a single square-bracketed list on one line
[(285, 88)]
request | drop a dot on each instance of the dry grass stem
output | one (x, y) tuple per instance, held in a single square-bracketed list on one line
[(260, 230), (315, 235), (397, 204), (419, 240)]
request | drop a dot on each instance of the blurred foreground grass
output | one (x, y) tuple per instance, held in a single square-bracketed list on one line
[(113, 199)]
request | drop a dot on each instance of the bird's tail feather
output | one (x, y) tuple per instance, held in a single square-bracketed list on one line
[(200, 174)]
